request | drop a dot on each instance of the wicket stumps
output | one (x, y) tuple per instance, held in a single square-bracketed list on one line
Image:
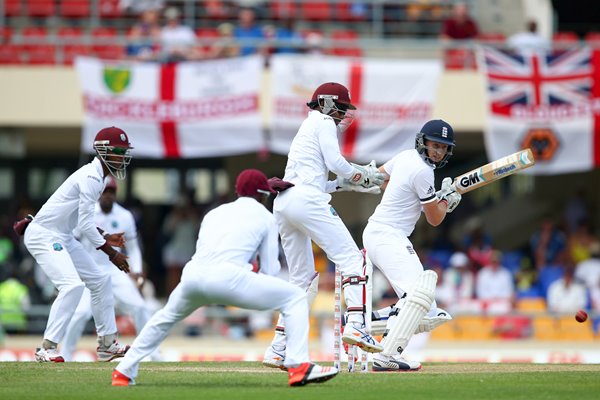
[(353, 351)]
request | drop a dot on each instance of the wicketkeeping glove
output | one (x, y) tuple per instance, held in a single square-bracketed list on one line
[(367, 175), (344, 185)]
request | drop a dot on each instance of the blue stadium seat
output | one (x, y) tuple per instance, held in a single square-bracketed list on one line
[(440, 257), (511, 260), (548, 274)]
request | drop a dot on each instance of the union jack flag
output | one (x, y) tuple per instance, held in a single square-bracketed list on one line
[(546, 79)]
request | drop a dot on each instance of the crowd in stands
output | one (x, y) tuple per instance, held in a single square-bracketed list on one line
[(166, 31)]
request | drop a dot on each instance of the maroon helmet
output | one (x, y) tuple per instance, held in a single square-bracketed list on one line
[(113, 148), (336, 92), (251, 182)]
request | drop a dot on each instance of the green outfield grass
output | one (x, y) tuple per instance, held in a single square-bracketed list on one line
[(192, 380)]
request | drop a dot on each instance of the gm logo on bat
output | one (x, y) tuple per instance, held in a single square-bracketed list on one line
[(469, 180)]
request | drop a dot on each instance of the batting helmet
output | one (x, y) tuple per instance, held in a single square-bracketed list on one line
[(251, 182), (436, 130), (113, 148)]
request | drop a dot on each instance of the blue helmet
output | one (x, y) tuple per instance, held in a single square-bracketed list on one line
[(439, 131)]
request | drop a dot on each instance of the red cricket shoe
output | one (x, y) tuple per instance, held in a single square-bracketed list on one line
[(310, 373), (120, 379)]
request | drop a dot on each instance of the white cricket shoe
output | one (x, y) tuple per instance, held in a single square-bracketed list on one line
[(274, 358), (310, 373), (396, 363), (115, 350), (48, 355), (361, 338)]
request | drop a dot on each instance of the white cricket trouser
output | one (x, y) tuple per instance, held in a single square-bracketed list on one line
[(127, 300), (227, 284), (393, 253), (70, 268), (304, 213)]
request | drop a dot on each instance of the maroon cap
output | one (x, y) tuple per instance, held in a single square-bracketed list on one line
[(340, 92), (111, 184), (250, 181)]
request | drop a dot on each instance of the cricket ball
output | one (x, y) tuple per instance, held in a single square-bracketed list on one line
[(581, 316)]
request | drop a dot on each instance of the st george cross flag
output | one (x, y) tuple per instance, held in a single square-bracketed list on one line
[(393, 99), (549, 102), (185, 110)]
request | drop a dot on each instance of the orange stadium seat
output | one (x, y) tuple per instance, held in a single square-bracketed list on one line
[(75, 8), (13, 8), (534, 305), (39, 8), (350, 46), (575, 331), (316, 10)]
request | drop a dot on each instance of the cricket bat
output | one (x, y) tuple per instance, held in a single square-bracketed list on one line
[(488, 173)]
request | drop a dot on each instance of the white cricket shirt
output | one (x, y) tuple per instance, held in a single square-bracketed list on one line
[(314, 152), (72, 204), (234, 232), (411, 184)]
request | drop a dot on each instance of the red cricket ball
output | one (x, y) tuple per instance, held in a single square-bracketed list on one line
[(581, 316)]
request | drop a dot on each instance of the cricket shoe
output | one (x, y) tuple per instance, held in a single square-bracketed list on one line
[(120, 379), (274, 359), (116, 350), (310, 373), (382, 363), (361, 338), (48, 355)]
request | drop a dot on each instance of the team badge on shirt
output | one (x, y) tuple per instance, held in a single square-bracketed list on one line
[(114, 224), (333, 212), (57, 246)]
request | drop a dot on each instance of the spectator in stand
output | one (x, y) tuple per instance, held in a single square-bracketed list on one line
[(176, 40), (247, 29), (14, 301), (478, 245), (576, 210), (581, 241), (139, 6), (566, 295), (313, 43), (225, 46), (285, 32), (459, 25), (528, 41), (144, 36), (588, 271), (495, 283), (548, 245), (458, 281)]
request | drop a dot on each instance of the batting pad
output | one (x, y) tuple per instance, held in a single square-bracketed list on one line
[(417, 305)]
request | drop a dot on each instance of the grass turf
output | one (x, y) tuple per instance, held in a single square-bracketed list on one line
[(249, 380)]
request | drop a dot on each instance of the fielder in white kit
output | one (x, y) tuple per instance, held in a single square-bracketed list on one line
[(220, 272), (50, 240), (303, 214), (111, 217), (409, 190)]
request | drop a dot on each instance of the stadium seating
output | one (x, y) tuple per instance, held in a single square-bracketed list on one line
[(10, 54), (207, 34), (592, 39), (72, 49), (533, 305), (39, 8), (109, 8), (283, 9), (316, 10), (13, 8), (350, 12), (105, 50), (348, 43), (565, 40), (75, 8), (5, 34)]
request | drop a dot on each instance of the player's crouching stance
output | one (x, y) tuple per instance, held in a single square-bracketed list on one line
[(220, 273), (408, 191)]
